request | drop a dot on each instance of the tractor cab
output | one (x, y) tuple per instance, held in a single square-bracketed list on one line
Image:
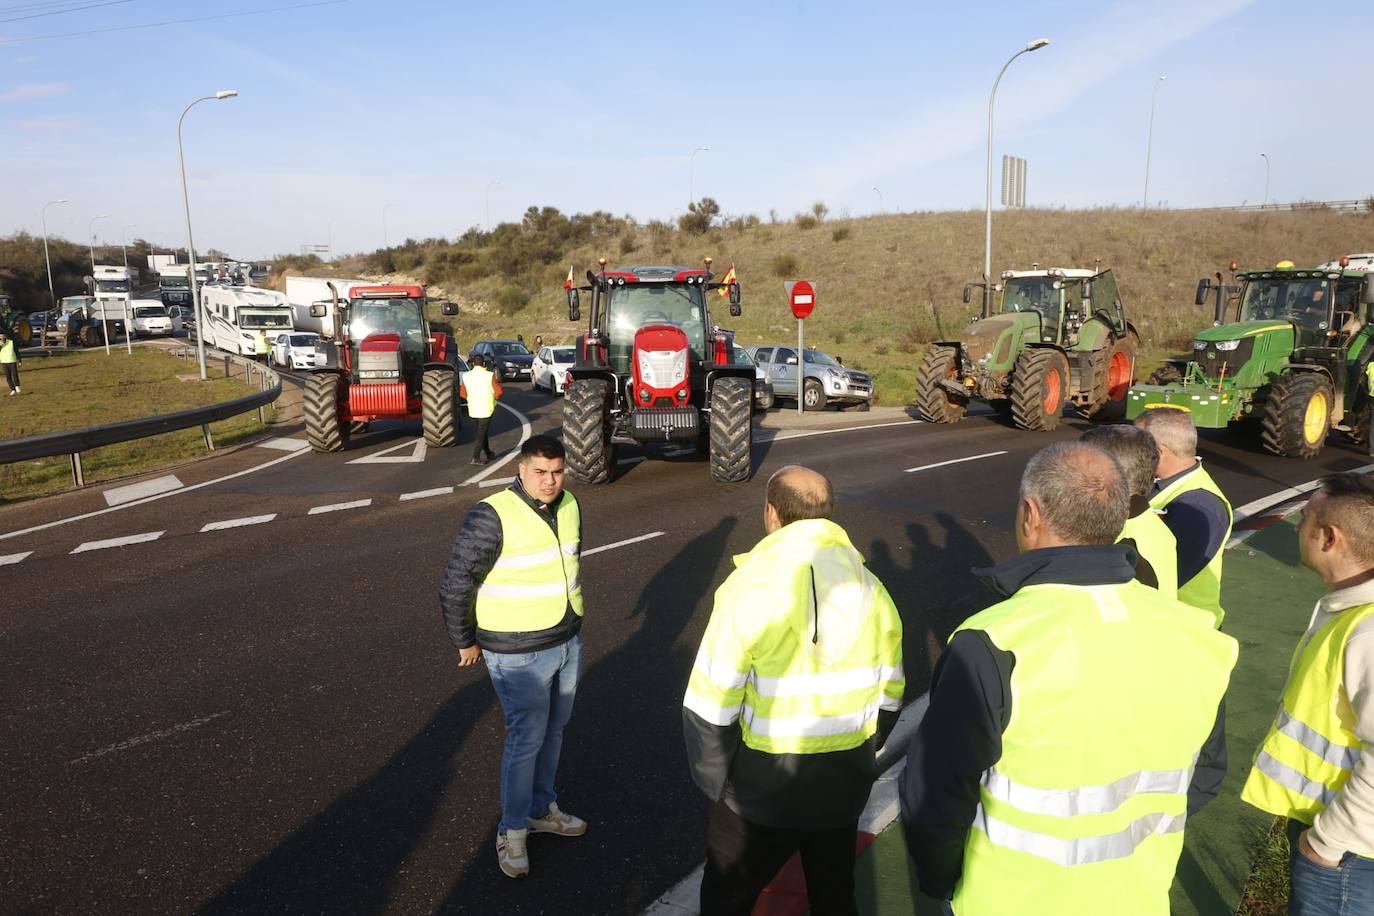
[(1064, 299)]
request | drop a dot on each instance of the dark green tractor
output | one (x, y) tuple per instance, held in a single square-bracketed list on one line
[(14, 324)]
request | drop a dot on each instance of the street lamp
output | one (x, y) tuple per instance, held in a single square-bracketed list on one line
[(190, 241), (386, 240), (1149, 143), (691, 161), (43, 217), (1265, 157), (104, 328), (880, 198), (1035, 45), (490, 185), (129, 314)]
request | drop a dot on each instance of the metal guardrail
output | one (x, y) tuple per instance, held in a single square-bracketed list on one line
[(74, 442), (1366, 203)]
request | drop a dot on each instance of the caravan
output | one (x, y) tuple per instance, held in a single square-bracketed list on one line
[(235, 314), (303, 292)]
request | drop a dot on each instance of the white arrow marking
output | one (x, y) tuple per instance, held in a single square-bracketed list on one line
[(12, 558), (417, 454), (119, 495)]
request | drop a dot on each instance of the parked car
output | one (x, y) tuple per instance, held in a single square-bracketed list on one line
[(507, 358), (763, 391), (294, 350), (824, 379), (151, 319), (550, 368)]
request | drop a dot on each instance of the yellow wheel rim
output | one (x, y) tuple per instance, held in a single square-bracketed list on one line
[(1314, 421)]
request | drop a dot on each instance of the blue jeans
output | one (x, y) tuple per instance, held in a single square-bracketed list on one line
[(536, 690), (1315, 890)]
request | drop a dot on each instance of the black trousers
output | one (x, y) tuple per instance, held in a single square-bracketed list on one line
[(741, 858), (12, 375), (480, 445)]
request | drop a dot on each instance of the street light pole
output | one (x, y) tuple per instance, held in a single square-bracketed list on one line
[(1149, 143), (43, 216), (987, 212), (129, 314), (691, 162), (490, 185), (190, 240), (104, 328), (1265, 157)]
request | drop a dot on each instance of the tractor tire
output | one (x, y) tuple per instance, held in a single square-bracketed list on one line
[(321, 408), (732, 431), (23, 332), (1166, 374), (584, 431), (88, 336), (935, 404), (813, 396), (439, 408), (1114, 376), (1296, 415), (1039, 388)]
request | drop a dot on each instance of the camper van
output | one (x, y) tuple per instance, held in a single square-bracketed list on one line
[(235, 314), (302, 292)]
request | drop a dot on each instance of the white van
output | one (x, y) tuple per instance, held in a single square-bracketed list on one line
[(235, 314)]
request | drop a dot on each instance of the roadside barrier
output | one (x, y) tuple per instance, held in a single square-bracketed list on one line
[(74, 442)]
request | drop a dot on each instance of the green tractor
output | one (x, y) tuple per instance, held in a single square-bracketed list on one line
[(1292, 361), (14, 323), (1060, 337)]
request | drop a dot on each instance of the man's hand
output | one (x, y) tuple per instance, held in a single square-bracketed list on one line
[(469, 656), (1305, 847)]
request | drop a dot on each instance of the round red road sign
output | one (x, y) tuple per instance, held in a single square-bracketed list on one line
[(802, 298)]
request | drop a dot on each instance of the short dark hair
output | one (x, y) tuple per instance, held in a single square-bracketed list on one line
[(477, 360), (795, 503), (1133, 448), (1081, 492), (1349, 506), (543, 447)]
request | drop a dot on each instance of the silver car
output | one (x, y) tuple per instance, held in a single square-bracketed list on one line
[(824, 379)]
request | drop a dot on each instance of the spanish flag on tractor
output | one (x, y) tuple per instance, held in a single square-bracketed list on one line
[(568, 283), (725, 281)]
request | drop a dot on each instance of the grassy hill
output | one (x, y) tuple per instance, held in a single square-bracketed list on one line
[(886, 285)]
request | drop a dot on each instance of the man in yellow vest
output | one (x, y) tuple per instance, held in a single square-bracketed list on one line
[(481, 389), (1156, 549), (1195, 509), (1315, 767), (1051, 770), (263, 347), (512, 597), (9, 358), (795, 687)]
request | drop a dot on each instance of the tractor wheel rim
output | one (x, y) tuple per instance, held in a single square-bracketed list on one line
[(1314, 419), (1052, 386), (1118, 376)]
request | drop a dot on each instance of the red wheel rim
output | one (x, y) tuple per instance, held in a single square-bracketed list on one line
[(1119, 376), (1052, 386)]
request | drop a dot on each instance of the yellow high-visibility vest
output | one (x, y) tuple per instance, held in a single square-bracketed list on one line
[(481, 388), (1204, 589), (537, 575), (1157, 544)]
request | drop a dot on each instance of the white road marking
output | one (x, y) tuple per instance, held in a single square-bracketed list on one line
[(120, 542), (940, 464), (417, 454), (624, 543), (12, 558), (151, 736), (339, 507), (120, 495), (283, 444), (238, 522), (497, 482), (525, 433), (1255, 507), (802, 434), (426, 494), (148, 499)]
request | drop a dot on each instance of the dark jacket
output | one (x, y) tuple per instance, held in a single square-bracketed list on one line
[(1199, 520), (960, 737), (475, 552)]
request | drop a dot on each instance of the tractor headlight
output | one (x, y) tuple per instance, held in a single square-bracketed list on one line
[(1226, 346), (1199, 345)]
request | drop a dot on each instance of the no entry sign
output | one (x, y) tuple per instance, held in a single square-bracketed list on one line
[(801, 295)]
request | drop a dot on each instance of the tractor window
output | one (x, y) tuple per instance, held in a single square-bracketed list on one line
[(1106, 299), (377, 316), (1035, 294), (633, 306), (1305, 301)]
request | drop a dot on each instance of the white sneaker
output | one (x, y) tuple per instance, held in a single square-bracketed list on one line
[(18, 390), (511, 854), (559, 822)]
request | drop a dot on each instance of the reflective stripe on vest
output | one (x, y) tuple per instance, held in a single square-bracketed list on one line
[(481, 389), (1078, 816), (1157, 544), (1311, 749), (1203, 591), (537, 576)]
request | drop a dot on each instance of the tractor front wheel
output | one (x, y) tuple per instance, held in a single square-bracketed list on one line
[(323, 430), (732, 432), (584, 431), (935, 403), (439, 408), (1297, 415), (1040, 382)]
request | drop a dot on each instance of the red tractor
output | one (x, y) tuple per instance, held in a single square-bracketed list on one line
[(384, 362), (652, 368)]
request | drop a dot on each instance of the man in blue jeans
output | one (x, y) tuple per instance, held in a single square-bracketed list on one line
[(511, 597)]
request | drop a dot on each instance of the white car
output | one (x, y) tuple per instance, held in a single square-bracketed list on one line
[(154, 320), (550, 368), (294, 351)]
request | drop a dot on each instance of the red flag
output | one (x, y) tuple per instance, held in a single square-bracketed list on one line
[(727, 280), (568, 283)]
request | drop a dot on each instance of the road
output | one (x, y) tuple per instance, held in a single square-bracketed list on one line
[(251, 705)]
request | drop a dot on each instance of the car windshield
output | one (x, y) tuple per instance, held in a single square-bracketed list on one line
[(820, 359), (1304, 300), (740, 356), (150, 311), (174, 282), (635, 305), (564, 354), (506, 348), (112, 286), (250, 318), (377, 316), (303, 340)]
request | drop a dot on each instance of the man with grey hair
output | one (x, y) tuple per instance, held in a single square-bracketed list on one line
[(1156, 548), (1076, 804), (1195, 509)]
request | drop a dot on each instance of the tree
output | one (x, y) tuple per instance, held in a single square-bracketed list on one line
[(699, 216)]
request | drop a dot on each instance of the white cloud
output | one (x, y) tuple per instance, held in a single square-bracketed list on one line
[(29, 91)]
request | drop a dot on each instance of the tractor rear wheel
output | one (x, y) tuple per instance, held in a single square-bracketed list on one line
[(732, 432), (24, 332), (584, 431), (1040, 383), (1297, 415), (1114, 378), (813, 396), (439, 408), (321, 408), (936, 404), (88, 336)]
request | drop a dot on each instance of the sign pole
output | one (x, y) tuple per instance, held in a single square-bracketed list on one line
[(801, 369), (801, 296)]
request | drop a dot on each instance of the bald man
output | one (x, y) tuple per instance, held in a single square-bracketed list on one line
[(797, 683)]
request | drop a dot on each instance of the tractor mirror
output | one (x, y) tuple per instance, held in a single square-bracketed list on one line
[(574, 306), (1087, 290), (968, 294), (318, 310), (449, 308), (734, 300), (1203, 286), (1367, 296)]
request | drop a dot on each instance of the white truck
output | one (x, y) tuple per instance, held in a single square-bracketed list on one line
[(235, 314), (303, 292)]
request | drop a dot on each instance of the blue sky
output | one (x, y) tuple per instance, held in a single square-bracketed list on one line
[(415, 107)]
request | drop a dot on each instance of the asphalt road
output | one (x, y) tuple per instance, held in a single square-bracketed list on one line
[(269, 717)]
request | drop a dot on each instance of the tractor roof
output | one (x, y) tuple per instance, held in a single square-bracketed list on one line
[(658, 274), (1067, 273), (1353, 262), (1327, 271)]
